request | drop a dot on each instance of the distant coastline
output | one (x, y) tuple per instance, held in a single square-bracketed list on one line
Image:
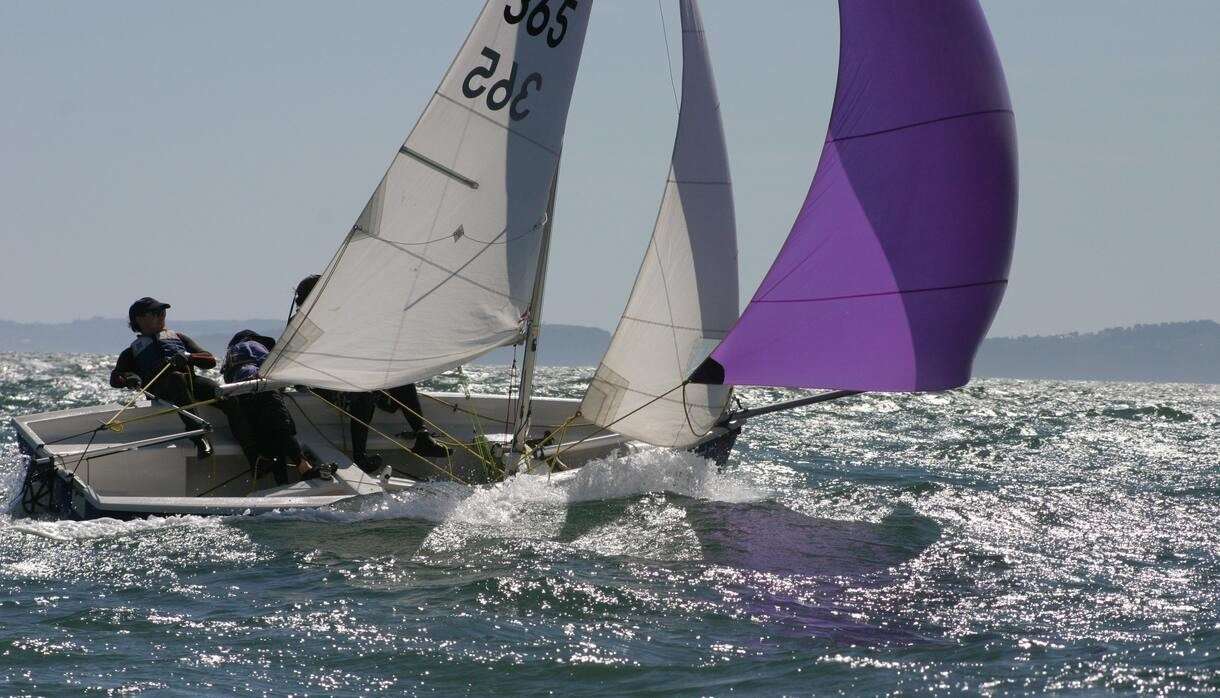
[(561, 345), (1171, 352), (1179, 352)]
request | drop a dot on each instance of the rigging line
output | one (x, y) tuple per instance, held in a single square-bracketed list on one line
[(342, 430), (472, 413), (453, 273), (303, 312), (512, 384), (396, 442), (242, 473), (142, 390), (665, 33), (86, 451), (558, 431), (112, 423), (174, 409), (600, 429), (432, 424)]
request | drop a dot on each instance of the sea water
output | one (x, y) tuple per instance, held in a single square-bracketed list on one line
[(1012, 537)]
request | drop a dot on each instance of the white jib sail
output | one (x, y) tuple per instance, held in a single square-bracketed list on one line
[(439, 266), (685, 297)]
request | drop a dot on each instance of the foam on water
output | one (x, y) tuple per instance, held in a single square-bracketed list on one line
[(509, 503), (106, 527)]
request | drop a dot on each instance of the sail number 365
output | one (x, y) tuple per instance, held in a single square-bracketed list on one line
[(539, 18), (505, 92)]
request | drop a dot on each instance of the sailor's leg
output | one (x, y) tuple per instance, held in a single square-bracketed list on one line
[(409, 396), (207, 389), (411, 408), (362, 406)]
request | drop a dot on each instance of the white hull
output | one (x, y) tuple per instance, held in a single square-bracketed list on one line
[(143, 470)]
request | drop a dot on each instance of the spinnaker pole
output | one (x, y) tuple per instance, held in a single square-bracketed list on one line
[(743, 415)]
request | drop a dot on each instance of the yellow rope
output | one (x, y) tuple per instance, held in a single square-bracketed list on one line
[(444, 433), (558, 435), (392, 439), (140, 392), (173, 410)]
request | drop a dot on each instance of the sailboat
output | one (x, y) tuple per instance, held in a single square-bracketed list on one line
[(888, 280)]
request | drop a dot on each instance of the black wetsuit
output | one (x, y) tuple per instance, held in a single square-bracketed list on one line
[(183, 387), (275, 432)]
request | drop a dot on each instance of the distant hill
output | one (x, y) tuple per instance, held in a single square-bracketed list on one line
[(1186, 352), (1172, 352), (561, 345)]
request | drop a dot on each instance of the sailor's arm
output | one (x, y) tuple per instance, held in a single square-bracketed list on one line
[(197, 356), (124, 375)]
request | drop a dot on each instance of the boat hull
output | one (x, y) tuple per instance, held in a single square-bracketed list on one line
[(148, 467)]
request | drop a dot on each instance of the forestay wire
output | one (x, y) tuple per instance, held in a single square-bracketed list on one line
[(668, 58)]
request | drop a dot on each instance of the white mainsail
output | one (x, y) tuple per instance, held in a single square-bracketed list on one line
[(440, 265), (685, 296)]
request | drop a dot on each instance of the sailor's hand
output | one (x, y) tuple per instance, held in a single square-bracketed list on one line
[(132, 382), (181, 361)]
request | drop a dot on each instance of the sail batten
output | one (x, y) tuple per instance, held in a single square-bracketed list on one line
[(685, 294), (899, 257), (439, 267)]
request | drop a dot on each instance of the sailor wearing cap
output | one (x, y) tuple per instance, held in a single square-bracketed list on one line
[(143, 365)]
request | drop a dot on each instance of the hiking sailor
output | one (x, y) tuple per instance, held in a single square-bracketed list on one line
[(404, 398), (143, 365), (267, 415)]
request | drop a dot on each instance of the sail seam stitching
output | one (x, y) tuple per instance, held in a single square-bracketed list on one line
[(663, 397), (490, 120), (884, 293), (921, 123), (453, 273), (678, 327)]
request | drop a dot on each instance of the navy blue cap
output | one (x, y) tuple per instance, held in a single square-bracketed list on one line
[(145, 305)]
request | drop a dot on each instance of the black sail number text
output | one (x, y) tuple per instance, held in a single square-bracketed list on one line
[(539, 18), (503, 92)]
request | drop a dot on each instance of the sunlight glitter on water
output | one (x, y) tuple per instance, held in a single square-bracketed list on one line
[(1013, 536)]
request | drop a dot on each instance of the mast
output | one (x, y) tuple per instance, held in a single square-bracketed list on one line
[(533, 328)]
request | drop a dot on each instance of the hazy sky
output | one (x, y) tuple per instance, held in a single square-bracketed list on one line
[(211, 154)]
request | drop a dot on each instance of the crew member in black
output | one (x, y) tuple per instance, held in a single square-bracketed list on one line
[(154, 347), (275, 432), (362, 406)]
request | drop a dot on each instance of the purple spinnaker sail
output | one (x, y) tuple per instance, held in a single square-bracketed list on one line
[(899, 257)]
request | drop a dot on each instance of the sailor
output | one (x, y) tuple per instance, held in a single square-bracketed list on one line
[(404, 398), (163, 363), (265, 411)]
